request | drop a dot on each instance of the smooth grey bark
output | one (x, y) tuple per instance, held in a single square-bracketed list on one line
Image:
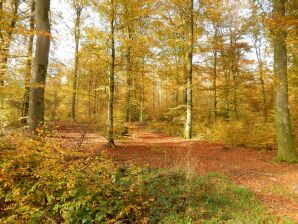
[(285, 140), (77, 30), (110, 129), (234, 67), (142, 100), (128, 107), (89, 95), (262, 82), (188, 123), (215, 59), (185, 78), (226, 87), (28, 69), (177, 81), (38, 79)]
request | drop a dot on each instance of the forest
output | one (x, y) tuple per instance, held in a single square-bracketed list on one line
[(152, 111)]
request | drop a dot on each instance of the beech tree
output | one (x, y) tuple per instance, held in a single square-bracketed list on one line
[(78, 6), (285, 140), (28, 68), (110, 130), (189, 100), (38, 79)]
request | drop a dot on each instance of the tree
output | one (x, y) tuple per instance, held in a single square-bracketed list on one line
[(78, 6), (38, 79), (110, 130), (190, 22), (129, 63), (28, 68), (214, 17), (257, 35), (285, 141)]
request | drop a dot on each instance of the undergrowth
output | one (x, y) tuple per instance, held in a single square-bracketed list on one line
[(234, 133), (42, 182)]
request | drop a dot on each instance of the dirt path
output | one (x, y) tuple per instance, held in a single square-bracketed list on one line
[(274, 183)]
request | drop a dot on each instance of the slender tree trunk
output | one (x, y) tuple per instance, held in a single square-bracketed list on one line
[(142, 94), (235, 75), (262, 82), (110, 134), (215, 75), (227, 93), (89, 95), (77, 31), (215, 86), (38, 79), (142, 104), (235, 98), (285, 140), (28, 66), (128, 80), (177, 87), (188, 124), (95, 96), (153, 94), (185, 78)]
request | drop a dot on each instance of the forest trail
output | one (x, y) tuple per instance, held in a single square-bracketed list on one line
[(275, 184)]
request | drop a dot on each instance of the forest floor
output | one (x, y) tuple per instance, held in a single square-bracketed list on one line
[(275, 184)]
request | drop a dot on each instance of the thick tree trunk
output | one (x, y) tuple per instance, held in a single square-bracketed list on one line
[(28, 66), (77, 31), (38, 79), (188, 124), (110, 134), (285, 140)]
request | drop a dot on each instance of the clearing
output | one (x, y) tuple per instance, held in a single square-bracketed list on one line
[(275, 184)]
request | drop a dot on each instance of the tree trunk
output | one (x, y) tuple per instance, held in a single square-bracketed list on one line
[(177, 86), (38, 80), (215, 75), (110, 134), (28, 66), (89, 96), (285, 140), (188, 124), (128, 80), (185, 68), (142, 94), (262, 82), (77, 31)]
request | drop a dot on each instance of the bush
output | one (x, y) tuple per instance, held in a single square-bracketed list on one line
[(167, 128), (248, 134)]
